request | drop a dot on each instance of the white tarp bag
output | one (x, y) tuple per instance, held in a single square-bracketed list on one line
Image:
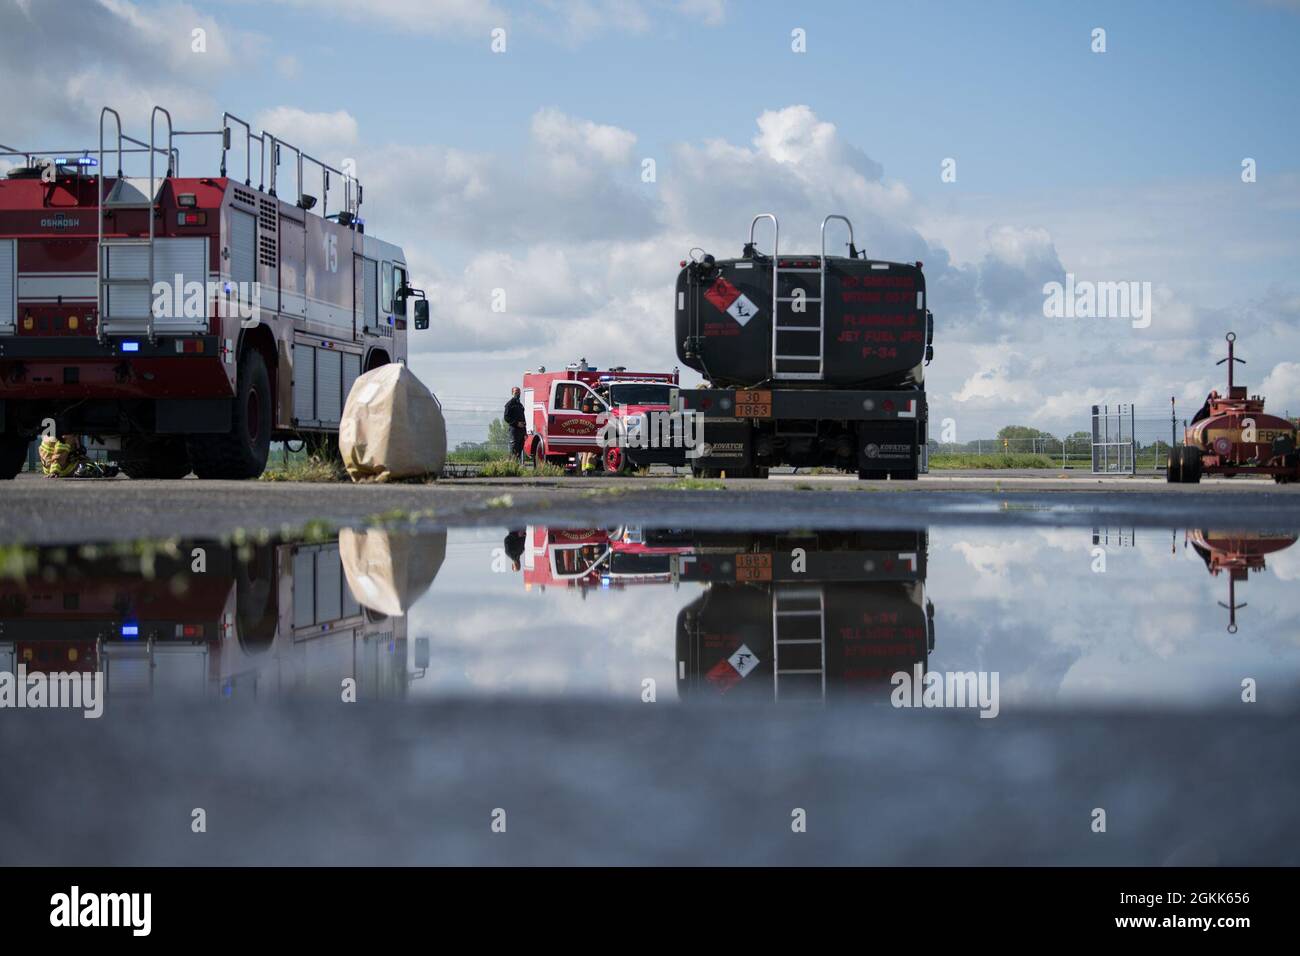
[(392, 427), (388, 571)]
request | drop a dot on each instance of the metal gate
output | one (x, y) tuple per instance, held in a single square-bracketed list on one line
[(1113, 445)]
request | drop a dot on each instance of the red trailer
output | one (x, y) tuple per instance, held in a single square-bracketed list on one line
[(624, 419), (187, 319)]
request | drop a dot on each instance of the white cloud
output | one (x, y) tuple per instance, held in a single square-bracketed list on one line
[(324, 135), (412, 16)]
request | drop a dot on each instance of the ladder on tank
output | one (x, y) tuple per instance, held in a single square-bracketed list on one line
[(799, 628), (798, 321), (126, 263)]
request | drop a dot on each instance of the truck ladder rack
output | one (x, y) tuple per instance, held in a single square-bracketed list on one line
[(799, 619), (795, 354)]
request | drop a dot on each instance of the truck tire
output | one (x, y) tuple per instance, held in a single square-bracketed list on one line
[(1174, 466), (698, 472), (1191, 467), (13, 455), (240, 453), (615, 461), (164, 458)]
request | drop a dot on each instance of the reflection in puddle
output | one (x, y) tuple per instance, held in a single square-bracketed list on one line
[(634, 614), (204, 618), (1238, 553)]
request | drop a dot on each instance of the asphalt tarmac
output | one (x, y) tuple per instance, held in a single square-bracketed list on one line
[(593, 783), (40, 511)]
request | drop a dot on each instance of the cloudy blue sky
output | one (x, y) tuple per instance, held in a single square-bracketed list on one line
[(522, 170)]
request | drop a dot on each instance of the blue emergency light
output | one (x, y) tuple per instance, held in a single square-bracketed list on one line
[(130, 630), (130, 346)]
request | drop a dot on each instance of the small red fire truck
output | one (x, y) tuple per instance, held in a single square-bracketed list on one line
[(192, 319), (623, 419), (594, 558)]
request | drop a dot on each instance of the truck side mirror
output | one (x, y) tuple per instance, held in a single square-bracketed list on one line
[(421, 313)]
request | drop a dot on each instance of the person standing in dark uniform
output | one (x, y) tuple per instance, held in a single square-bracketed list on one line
[(514, 417)]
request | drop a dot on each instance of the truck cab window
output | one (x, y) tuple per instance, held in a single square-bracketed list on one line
[(399, 283), (386, 290)]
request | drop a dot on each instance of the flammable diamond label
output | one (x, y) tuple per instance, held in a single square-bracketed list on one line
[(722, 293)]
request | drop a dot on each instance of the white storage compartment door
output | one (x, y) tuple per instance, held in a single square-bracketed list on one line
[(329, 387), (351, 372), (304, 384), (243, 246), (8, 286), (186, 258)]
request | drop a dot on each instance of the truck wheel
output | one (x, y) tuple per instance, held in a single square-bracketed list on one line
[(1191, 464), (240, 453), (615, 461), (538, 456), (698, 472), (164, 458), (1174, 466), (13, 454)]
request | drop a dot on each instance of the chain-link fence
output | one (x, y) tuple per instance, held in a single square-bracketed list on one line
[(1150, 436)]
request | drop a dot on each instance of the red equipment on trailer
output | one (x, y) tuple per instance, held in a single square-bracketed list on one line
[(568, 411), (1231, 435), (192, 318)]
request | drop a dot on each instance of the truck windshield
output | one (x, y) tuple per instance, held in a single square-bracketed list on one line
[(639, 393)]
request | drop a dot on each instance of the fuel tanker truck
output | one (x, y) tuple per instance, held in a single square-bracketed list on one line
[(1230, 435), (809, 360)]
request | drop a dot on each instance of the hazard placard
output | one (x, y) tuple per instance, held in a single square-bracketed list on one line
[(743, 660), (727, 298), (753, 404), (753, 567), (742, 310)]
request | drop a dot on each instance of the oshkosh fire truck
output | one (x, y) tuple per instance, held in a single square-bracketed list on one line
[(190, 319), (269, 618), (623, 419), (811, 360)]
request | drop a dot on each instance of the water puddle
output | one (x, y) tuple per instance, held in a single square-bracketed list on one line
[(1022, 616)]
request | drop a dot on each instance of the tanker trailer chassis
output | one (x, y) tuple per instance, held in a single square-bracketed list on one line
[(810, 360), (1230, 435)]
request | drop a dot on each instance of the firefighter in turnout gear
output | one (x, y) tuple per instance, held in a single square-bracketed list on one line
[(66, 457), (60, 456)]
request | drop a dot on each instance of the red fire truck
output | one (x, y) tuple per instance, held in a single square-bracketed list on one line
[(190, 319), (594, 557), (569, 411), (275, 618)]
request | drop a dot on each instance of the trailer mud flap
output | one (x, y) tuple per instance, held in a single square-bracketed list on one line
[(725, 444), (887, 446)]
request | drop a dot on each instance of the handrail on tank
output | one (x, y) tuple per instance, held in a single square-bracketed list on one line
[(776, 230), (821, 291), (843, 219)]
